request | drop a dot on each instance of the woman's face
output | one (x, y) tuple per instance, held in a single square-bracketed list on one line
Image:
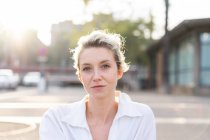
[(98, 72)]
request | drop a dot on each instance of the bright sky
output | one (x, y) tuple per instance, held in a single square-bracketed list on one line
[(19, 15)]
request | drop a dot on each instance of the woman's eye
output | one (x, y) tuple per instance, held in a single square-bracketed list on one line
[(105, 66), (86, 69)]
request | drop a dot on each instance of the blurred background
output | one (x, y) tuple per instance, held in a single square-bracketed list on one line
[(167, 45), (36, 36)]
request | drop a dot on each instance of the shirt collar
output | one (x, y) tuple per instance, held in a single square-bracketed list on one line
[(76, 115), (127, 107), (77, 111)]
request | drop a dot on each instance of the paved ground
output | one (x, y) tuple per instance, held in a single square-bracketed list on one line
[(178, 117)]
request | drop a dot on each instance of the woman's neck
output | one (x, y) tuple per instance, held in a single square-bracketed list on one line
[(102, 111)]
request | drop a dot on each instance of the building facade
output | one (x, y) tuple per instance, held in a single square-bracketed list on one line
[(180, 61)]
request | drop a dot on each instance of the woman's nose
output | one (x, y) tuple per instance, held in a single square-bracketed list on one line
[(96, 75)]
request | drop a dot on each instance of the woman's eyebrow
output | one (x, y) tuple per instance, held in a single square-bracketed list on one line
[(88, 64), (104, 61), (85, 64)]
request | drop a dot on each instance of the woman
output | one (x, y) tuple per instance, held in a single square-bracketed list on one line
[(104, 114)]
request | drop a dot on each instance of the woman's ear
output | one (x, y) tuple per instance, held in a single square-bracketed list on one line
[(119, 74)]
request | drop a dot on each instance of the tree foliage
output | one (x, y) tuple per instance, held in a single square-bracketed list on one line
[(135, 33)]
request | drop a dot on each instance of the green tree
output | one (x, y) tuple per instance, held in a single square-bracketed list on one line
[(133, 31), (150, 25)]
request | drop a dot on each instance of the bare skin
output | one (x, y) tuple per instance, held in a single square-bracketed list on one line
[(99, 75), (100, 120)]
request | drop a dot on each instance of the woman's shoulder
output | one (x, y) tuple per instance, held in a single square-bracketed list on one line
[(62, 110), (139, 108)]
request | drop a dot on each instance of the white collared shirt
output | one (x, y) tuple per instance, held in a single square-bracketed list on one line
[(133, 121)]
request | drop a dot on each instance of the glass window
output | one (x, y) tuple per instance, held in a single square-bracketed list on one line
[(205, 77), (205, 57), (185, 63)]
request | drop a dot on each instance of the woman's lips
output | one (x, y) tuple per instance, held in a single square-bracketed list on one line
[(98, 86)]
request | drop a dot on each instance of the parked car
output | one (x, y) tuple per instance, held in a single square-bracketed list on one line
[(31, 79), (8, 79)]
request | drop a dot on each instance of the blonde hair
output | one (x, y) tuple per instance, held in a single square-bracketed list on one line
[(104, 39)]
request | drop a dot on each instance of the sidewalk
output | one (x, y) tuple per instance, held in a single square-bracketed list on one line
[(174, 113)]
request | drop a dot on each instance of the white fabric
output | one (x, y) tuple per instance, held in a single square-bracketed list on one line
[(133, 121)]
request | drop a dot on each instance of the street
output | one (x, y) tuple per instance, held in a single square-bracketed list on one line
[(178, 117)]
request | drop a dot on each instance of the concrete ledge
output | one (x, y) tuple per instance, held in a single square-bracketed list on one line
[(17, 131)]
